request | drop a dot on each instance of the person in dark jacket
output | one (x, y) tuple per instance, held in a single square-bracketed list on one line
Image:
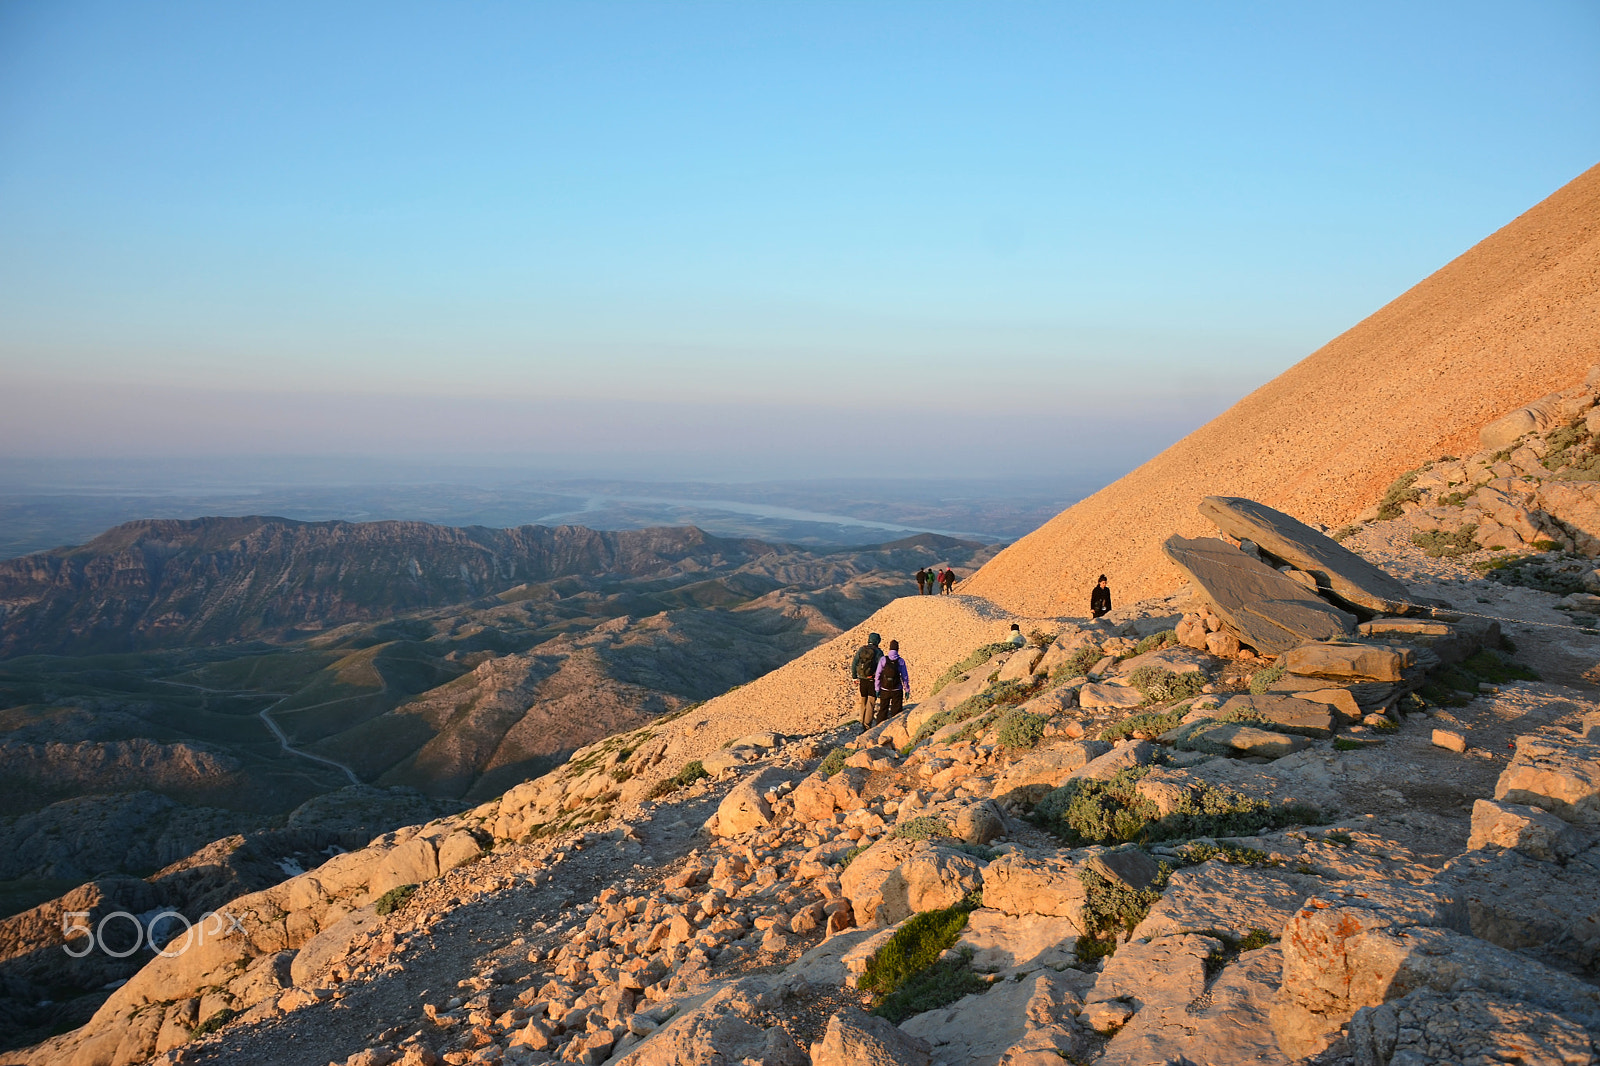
[(922, 582), (948, 580), (1100, 598), (893, 681), (864, 672)]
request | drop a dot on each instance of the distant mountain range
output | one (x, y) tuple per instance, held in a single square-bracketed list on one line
[(177, 583), (242, 667)]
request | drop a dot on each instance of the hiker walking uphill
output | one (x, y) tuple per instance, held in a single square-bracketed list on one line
[(893, 682), (1100, 599), (864, 672)]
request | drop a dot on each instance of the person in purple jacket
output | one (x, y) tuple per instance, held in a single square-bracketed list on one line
[(893, 682)]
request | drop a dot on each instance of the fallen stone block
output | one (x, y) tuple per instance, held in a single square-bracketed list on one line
[(1449, 739), (894, 879), (1557, 770), (1330, 564), (1167, 973), (1296, 715), (1236, 738), (1265, 609), (1096, 695), (1536, 833), (1005, 942), (1128, 867), (1031, 777), (1018, 885), (1374, 662)]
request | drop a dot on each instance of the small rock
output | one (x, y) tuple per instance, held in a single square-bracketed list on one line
[(1446, 738)]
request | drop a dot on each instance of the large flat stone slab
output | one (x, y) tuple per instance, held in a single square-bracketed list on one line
[(1217, 897), (1366, 662), (1295, 715), (1557, 770), (1230, 1026), (1346, 574), (1268, 611)]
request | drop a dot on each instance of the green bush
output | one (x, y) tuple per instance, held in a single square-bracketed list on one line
[(1085, 812), (1112, 908), (1344, 533), (394, 899), (1195, 854), (1079, 662), (692, 771), (1003, 694), (1153, 723), (1020, 731), (1040, 639), (1160, 685), (1265, 679), (921, 828), (976, 659), (1156, 641), (215, 1022), (940, 985), (911, 953), (850, 856), (1403, 491), (1441, 545), (833, 762)]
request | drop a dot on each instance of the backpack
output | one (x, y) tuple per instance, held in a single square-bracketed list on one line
[(891, 676), (866, 664)]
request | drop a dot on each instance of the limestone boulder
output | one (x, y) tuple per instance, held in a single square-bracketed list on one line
[(1218, 896), (745, 807), (1032, 1022), (1263, 608), (1020, 666), (855, 1038), (329, 946), (1433, 1028), (1237, 739), (1576, 505), (894, 879), (1168, 972), (1029, 778), (1536, 833), (1097, 695), (1229, 1025), (1019, 885), (1330, 564), (718, 1030), (1354, 951), (1296, 715), (818, 797), (1008, 943), (1558, 771), (979, 823), (1545, 909), (1369, 662)]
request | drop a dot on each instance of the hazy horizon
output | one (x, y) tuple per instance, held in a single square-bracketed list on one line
[(713, 241)]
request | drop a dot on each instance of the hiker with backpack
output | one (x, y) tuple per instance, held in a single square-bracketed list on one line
[(893, 682), (947, 580), (864, 672)]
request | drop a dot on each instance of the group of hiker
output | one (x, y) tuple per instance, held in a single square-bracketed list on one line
[(882, 680), (942, 580)]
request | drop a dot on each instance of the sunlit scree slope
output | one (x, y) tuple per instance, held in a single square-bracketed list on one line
[(1515, 317)]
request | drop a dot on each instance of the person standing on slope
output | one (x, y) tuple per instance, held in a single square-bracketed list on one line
[(922, 582), (1100, 599), (893, 681), (864, 672), (947, 578)]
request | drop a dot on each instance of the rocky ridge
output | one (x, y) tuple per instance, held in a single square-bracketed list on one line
[(1141, 839)]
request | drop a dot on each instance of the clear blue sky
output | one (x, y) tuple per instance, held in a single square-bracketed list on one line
[(736, 236)]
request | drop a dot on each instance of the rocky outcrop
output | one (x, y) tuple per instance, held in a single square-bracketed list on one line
[(1334, 566), (1268, 611)]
